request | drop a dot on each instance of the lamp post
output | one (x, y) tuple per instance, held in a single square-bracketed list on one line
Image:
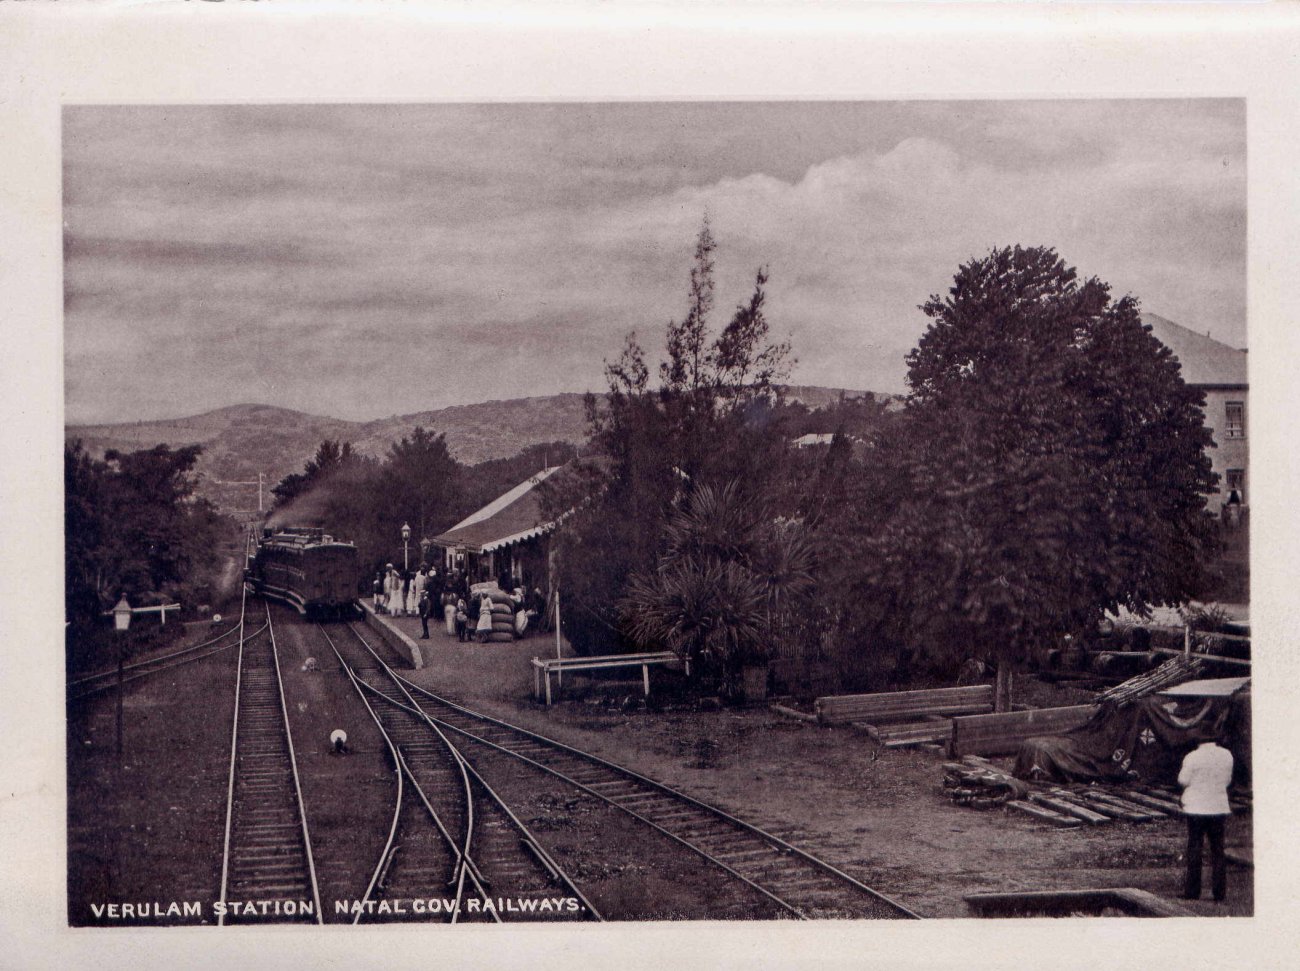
[(121, 623), (406, 541)]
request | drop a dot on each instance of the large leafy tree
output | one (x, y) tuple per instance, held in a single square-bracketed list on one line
[(134, 526), (331, 458), (1050, 467), (420, 484)]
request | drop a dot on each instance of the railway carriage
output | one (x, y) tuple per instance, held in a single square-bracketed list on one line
[(307, 569)]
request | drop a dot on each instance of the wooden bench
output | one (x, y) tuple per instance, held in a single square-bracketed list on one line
[(543, 668), (897, 706), (1002, 734)]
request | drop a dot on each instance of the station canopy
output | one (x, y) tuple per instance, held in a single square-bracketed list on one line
[(511, 518)]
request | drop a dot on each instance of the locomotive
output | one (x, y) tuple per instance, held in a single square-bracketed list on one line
[(307, 569)]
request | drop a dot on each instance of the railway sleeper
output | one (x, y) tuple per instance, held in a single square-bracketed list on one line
[(300, 889), (803, 885), (702, 830), (732, 840), (250, 856), (729, 856), (270, 839), (287, 871), (673, 814)]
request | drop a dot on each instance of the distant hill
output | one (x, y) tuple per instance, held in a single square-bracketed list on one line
[(242, 440)]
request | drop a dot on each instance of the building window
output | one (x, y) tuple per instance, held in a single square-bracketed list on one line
[(1236, 426), (1236, 482)]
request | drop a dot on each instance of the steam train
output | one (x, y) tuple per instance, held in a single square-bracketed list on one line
[(307, 569)]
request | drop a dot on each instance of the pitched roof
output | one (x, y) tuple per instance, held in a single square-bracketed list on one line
[(1204, 360), (509, 518), (1206, 688), (813, 438)]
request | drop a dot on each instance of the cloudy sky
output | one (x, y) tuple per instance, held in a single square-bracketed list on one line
[(363, 261)]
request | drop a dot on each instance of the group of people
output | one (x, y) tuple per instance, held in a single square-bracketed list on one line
[(469, 616), (466, 612), (399, 593)]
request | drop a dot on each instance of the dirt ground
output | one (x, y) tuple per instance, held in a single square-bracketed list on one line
[(152, 830), (883, 818)]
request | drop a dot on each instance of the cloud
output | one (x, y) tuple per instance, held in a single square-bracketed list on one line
[(410, 257)]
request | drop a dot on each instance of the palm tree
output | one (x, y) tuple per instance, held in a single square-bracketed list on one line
[(728, 583)]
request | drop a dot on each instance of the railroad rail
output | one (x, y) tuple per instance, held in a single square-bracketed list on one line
[(90, 684), (267, 870), (477, 861), (800, 884)]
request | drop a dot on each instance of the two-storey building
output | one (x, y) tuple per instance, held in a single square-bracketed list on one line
[(1220, 372)]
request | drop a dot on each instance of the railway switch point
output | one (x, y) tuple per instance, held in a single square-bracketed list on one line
[(339, 742)]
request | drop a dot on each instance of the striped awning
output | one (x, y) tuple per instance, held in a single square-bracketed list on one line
[(511, 518)]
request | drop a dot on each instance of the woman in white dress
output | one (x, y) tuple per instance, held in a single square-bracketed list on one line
[(413, 592), (395, 603)]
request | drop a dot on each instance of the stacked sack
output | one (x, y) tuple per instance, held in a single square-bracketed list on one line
[(503, 616)]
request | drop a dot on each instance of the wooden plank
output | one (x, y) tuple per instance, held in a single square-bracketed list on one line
[(1149, 811), (913, 738), (898, 705), (1151, 802), (792, 713), (1069, 808), (1044, 813), (1002, 733), (1099, 803)]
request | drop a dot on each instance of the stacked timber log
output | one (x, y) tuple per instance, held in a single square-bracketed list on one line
[(1176, 670), (979, 784)]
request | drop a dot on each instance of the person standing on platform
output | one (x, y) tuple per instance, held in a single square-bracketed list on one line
[(461, 618), (395, 604), (416, 591), (483, 629), (449, 610), (1205, 776), (424, 608), (535, 606)]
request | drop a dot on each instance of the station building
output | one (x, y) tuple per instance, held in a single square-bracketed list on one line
[(1220, 372), (508, 535)]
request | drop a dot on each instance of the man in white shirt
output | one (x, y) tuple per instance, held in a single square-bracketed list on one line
[(1205, 776)]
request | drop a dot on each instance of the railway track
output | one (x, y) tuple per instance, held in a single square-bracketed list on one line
[(267, 870), (92, 684), (800, 884), (455, 850)]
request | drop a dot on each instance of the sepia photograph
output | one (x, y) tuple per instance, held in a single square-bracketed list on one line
[(656, 511), (660, 485)]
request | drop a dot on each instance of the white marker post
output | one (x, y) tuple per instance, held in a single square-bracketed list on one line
[(559, 671)]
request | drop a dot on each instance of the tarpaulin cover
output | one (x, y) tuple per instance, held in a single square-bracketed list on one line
[(1143, 739)]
